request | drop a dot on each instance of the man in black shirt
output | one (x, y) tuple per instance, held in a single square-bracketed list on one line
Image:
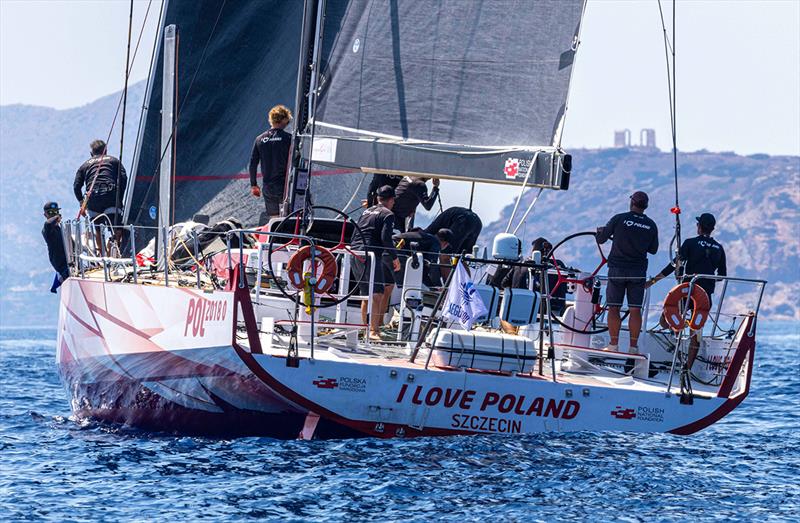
[(699, 255), (271, 150), (378, 181), (465, 225), (376, 225), (417, 240), (55, 244), (410, 193), (634, 235), (105, 179)]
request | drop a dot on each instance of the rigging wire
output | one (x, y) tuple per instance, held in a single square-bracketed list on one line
[(119, 104), (124, 104), (669, 48)]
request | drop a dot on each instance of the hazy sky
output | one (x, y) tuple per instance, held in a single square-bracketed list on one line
[(738, 68)]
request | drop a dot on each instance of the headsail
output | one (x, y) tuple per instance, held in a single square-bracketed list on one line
[(450, 88), (236, 59)]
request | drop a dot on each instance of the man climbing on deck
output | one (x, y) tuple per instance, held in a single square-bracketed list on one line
[(417, 240), (463, 223), (55, 244), (105, 180), (699, 255), (376, 225), (271, 151), (410, 193), (633, 236)]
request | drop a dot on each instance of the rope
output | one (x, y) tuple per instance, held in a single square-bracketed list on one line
[(672, 90), (124, 104)]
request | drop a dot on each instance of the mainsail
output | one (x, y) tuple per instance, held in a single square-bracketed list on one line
[(472, 90)]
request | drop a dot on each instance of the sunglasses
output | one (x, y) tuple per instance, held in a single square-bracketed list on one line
[(52, 212)]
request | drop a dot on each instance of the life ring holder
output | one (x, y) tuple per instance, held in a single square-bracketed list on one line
[(673, 313), (586, 282), (297, 216)]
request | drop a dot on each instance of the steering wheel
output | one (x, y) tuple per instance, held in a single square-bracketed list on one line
[(587, 283), (302, 226)]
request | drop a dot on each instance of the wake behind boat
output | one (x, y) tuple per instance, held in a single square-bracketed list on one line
[(237, 334)]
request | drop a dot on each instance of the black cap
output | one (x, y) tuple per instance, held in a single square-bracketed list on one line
[(706, 220), (445, 235), (51, 206), (387, 191), (640, 199)]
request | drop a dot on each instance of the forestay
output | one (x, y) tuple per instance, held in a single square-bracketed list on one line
[(449, 88)]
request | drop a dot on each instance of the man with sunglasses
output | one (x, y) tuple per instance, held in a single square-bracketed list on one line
[(55, 244)]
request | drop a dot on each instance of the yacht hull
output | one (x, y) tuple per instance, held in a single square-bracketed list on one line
[(172, 360)]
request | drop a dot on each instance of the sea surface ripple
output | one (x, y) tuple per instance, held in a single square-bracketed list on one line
[(747, 467)]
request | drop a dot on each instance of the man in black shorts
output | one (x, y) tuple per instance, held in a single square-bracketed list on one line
[(55, 244), (633, 236), (699, 255), (376, 225), (271, 151)]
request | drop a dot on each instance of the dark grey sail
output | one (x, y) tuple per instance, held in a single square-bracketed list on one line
[(447, 88), (235, 61)]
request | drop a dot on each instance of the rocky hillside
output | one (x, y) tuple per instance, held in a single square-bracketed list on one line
[(756, 200)]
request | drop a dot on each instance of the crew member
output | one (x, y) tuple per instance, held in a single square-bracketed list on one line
[(417, 240), (378, 181), (376, 225), (699, 255), (465, 226), (633, 236), (411, 192), (105, 180), (271, 150), (55, 244)]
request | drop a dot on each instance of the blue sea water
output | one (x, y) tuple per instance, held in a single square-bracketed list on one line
[(747, 467)]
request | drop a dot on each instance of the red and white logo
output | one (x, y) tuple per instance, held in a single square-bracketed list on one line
[(325, 383), (512, 168), (621, 413)]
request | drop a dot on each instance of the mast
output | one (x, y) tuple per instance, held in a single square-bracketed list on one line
[(167, 139), (305, 69)]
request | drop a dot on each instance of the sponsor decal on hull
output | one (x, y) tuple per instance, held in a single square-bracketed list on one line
[(476, 408), (345, 383)]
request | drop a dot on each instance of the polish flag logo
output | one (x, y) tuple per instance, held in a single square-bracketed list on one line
[(512, 168)]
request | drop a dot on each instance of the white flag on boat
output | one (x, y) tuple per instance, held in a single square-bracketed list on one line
[(464, 304)]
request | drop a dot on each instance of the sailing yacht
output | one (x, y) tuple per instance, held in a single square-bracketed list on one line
[(245, 338)]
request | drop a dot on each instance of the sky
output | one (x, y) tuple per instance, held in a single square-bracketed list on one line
[(738, 69)]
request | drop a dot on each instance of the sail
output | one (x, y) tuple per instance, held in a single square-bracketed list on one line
[(235, 61), (474, 90)]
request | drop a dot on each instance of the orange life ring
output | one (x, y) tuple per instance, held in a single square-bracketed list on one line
[(321, 255), (700, 307)]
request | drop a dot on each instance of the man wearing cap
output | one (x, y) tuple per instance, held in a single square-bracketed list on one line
[(633, 236), (699, 255), (376, 225), (55, 243)]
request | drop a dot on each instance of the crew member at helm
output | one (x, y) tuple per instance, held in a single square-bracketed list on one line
[(55, 244), (633, 236), (699, 255), (271, 151), (376, 225)]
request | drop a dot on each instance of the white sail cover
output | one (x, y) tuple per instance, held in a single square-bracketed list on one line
[(446, 87)]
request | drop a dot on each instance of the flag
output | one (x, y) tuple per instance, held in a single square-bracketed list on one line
[(464, 304)]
